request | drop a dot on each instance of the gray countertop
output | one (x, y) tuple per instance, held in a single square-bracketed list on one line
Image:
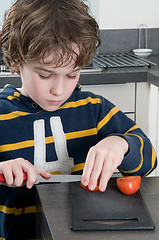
[(110, 76), (125, 75), (54, 215)]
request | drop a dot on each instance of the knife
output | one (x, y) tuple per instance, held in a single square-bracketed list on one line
[(53, 178), (59, 178)]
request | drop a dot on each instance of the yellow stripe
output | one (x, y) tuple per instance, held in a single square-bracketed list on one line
[(4, 87), (107, 118), (15, 96), (12, 97), (132, 128), (79, 134), (81, 102), (78, 103), (26, 210), (77, 167), (24, 144), (153, 160), (71, 135), (30, 143), (141, 153), (7, 210), (15, 146), (18, 211), (56, 172), (13, 115), (2, 238), (49, 140)]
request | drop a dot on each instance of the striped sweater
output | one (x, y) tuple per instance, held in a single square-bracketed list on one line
[(59, 141)]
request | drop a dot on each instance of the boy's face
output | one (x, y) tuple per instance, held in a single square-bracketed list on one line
[(47, 85)]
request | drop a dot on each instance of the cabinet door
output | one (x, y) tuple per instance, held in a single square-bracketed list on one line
[(153, 124), (122, 95), (143, 108)]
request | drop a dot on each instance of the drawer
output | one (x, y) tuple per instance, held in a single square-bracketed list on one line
[(122, 95), (132, 116)]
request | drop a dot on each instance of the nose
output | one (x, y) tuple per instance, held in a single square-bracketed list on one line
[(57, 88)]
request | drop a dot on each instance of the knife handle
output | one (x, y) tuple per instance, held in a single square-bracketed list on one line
[(2, 178)]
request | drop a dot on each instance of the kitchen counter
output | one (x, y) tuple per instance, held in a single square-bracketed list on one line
[(53, 215), (124, 75), (110, 76)]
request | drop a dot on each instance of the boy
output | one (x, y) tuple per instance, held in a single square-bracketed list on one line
[(50, 126)]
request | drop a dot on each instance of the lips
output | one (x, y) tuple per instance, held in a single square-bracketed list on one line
[(55, 103)]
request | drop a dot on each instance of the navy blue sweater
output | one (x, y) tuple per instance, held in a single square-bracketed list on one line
[(59, 141)]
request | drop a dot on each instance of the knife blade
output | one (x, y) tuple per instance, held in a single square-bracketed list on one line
[(59, 178), (53, 178)]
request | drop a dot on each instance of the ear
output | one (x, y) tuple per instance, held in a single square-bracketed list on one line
[(15, 69)]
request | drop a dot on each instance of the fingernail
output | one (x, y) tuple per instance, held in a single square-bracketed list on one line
[(102, 188), (85, 183), (29, 186), (91, 187)]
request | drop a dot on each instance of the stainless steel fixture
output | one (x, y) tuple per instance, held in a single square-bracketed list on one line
[(102, 62), (121, 60)]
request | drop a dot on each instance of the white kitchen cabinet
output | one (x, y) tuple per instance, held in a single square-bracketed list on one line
[(122, 95), (142, 105), (153, 122)]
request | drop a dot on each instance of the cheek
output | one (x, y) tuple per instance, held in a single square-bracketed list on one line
[(36, 89), (73, 85), (39, 86), (70, 88)]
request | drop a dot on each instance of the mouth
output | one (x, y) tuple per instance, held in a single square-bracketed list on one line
[(54, 103)]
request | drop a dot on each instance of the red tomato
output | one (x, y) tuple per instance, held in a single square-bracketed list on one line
[(129, 184), (86, 187)]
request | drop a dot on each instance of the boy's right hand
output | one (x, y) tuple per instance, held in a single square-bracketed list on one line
[(12, 171)]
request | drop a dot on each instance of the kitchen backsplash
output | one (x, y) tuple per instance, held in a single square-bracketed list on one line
[(125, 40)]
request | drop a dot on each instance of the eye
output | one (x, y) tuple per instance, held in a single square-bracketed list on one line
[(71, 77), (44, 77)]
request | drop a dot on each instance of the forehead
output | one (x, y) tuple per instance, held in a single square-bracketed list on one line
[(48, 64), (59, 58)]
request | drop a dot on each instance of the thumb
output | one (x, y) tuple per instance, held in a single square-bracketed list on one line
[(42, 172)]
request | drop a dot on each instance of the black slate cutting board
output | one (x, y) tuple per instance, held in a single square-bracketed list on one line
[(110, 210)]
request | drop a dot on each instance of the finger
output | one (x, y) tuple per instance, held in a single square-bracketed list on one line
[(88, 167), (31, 178), (106, 173), (30, 170), (9, 178), (8, 173), (43, 173), (96, 172), (18, 175)]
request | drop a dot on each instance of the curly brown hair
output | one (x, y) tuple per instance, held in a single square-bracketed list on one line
[(33, 28)]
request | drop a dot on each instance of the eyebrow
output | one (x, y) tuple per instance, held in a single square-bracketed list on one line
[(50, 71)]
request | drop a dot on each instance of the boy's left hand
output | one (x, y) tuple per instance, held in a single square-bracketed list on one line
[(102, 160)]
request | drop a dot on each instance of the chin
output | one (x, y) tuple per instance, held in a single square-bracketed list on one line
[(50, 109)]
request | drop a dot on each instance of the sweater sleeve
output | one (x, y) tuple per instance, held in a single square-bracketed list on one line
[(141, 158)]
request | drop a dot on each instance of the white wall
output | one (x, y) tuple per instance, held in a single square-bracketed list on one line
[(94, 8), (4, 5), (116, 14), (126, 14)]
